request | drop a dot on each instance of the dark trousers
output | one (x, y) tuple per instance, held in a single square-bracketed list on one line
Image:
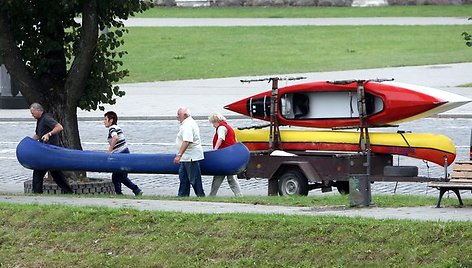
[(190, 174), (122, 177), (59, 179)]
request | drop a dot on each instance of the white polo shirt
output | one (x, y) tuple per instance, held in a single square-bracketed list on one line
[(190, 132)]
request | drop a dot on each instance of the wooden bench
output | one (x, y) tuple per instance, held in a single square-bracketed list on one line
[(460, 179)]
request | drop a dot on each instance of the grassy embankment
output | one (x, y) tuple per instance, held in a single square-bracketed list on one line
[(175, 53), (56, 236), (212, 52)]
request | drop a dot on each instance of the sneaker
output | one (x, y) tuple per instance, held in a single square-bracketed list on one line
[(139, 192)]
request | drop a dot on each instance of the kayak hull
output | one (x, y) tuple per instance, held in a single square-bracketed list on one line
[(36, 155), (430, 147), (325, 104)]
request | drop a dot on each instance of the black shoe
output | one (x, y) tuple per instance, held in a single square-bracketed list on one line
[(138, 192)]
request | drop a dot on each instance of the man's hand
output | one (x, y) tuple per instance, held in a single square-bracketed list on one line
[(45, 137), (177, 159)]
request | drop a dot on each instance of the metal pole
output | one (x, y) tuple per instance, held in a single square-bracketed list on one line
[(364, 135), (274, 126)]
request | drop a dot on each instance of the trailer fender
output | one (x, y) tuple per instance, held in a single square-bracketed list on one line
[(305, 167)]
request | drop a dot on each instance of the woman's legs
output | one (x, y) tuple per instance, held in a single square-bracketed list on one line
[(215, 185), (234, 185)]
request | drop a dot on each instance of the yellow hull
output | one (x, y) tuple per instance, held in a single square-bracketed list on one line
[(431, 147)]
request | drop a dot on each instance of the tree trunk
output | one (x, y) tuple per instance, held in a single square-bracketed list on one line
[(67, 116)]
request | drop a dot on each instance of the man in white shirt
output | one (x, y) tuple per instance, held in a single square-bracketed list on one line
[(189, 155)]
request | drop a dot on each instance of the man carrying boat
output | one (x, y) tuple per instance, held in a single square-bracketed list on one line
[(189, 155), (47, 130)]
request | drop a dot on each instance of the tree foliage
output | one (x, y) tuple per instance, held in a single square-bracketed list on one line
[(66, 54), (467, 37)]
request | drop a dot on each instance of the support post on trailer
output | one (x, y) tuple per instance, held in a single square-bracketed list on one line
[(364, 135), (274, 134), (359, 184)]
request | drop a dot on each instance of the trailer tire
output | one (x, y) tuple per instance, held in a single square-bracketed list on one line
[(400, 171), (293, 182)]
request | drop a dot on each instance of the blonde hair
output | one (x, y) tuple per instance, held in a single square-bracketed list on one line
[(216, 118)]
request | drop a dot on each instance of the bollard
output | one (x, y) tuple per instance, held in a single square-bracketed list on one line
[(359, 190)]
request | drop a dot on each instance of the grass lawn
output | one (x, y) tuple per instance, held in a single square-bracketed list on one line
[(57, 236), (177, 53)]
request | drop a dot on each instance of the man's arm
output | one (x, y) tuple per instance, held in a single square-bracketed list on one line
[(57, 128), (182, 149)]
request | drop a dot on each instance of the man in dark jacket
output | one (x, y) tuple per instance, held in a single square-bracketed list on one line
[(47, 130)]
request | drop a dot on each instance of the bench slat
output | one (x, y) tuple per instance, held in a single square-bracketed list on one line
[(461, 175), (459, 180), (451, 185), (463, 162), (451, 182), (463, 168)]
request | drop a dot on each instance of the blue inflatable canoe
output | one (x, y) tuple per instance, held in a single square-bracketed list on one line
[(33, 154)]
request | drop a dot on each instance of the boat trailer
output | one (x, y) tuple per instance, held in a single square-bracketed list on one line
[(298, 172)]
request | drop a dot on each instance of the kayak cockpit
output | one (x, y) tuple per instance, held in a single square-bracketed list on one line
[(326, 105)]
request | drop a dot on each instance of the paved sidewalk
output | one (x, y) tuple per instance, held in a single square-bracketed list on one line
[(160, 100), (407, 213)]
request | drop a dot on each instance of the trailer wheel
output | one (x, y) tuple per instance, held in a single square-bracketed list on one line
[(293, 182), (343, 187)]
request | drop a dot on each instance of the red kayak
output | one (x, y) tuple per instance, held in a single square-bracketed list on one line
[(326, 104)]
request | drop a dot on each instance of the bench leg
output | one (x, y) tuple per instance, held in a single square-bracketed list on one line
[(441, 193), (458, 194), (443, 190)]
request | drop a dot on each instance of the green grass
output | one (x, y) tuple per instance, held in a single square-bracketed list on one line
[(176, 53), (57, 236), (309, 12)]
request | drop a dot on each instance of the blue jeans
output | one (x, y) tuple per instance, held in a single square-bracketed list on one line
[(189, 174), (122, 177)]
